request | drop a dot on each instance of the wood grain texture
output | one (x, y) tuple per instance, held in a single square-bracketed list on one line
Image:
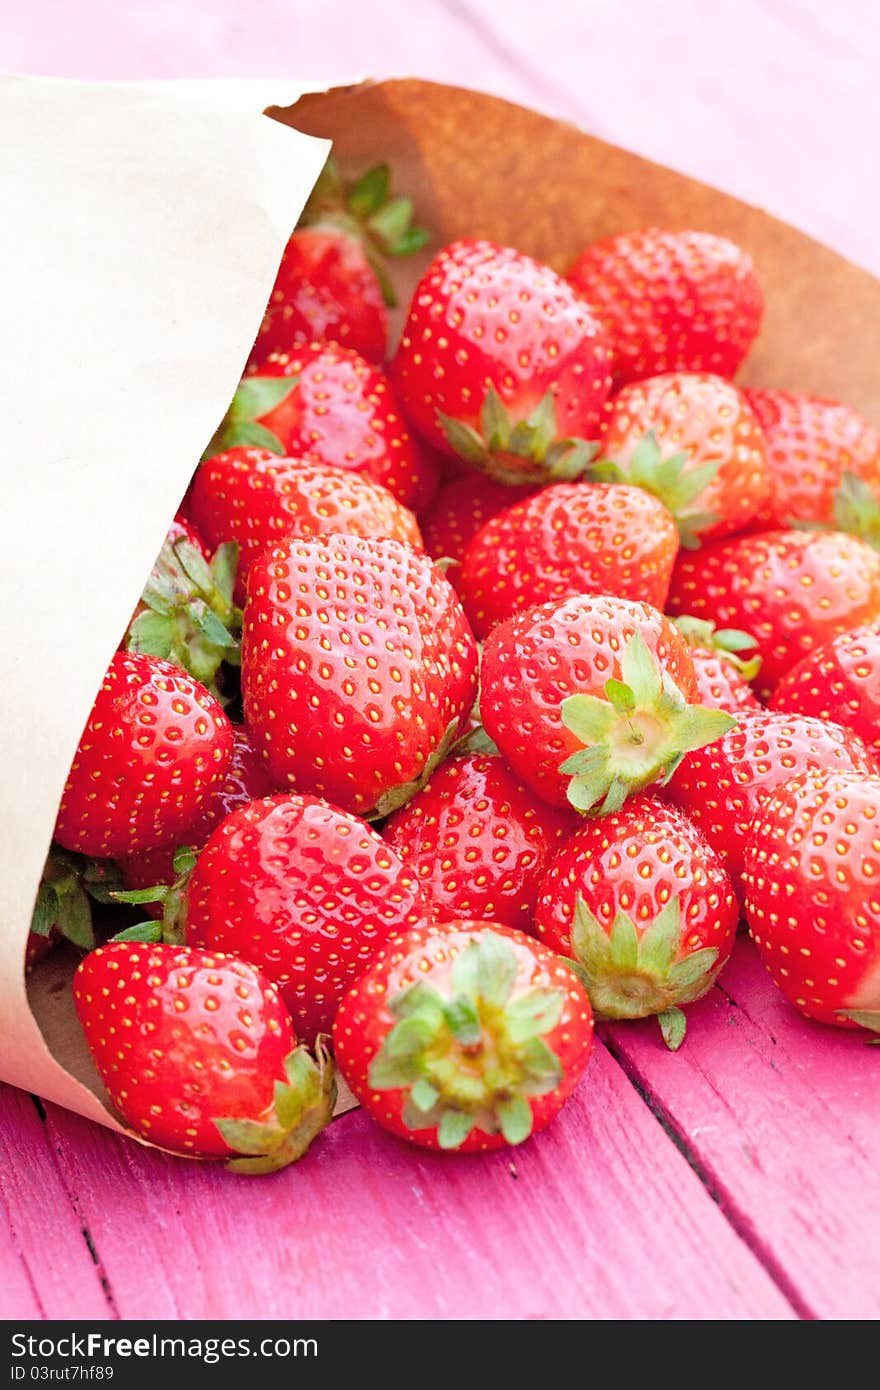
[(783, 1119), (601, 1217), (47, 1267)]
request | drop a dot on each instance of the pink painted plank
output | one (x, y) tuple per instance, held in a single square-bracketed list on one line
[(783, 1117), (600, 1217), (43, 1252)]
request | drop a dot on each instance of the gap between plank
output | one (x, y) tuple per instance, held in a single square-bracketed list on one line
[(731, 1213), (86, 1233)]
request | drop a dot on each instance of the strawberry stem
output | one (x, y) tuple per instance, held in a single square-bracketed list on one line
[(302, 1107)]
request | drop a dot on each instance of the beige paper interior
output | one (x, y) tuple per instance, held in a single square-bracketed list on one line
[(141, 240)]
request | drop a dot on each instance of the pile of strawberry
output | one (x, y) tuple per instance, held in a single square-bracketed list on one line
[(362, 841)]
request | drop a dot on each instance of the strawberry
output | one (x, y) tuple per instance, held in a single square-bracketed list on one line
[(589, 699), (305, 892), (458, 511), (155, 746), (671, 301), (816, 451), (199, 1056), (793, 590), (501, 363), (721, 787), (257, 499), (333, 284), (326, 405), (811, 872), (643, 905), (358, 669), (467, 1036), (692, 441), (186, 614), (839, 681), (722, 671), (246, 779), (570, 538), (478, 841)]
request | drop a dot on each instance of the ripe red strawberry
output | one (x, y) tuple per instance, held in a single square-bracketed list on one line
[(811, 871), (793, 590), (187, 614), (467, 1036), (478, 841), (199, 1056), (246, 779), (839, 681), (671, 301), (721, 787), (258, 499), (333, 284), (722, 673), (589, 699), (155, 746), (305, 892), (643, 905), (693, 441), (501, 363), (458, 511), (326, 405), (358, 669), (812, 445), (571, 538)]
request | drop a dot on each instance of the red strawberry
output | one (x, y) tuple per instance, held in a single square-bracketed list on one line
[(358, 669), (246, 779), (693, 442), (258, 499), (571, 538), (186, 614), (478, 841), (589, 699), (722, 673), (466, 1036), (722, 786), (793, 590), (326, 405), (199, 1056), (155, 746), (644, 906), (457, 513), (305, 892), (332, 284), (671, 301), (840, 681), (812, 446), (501, 363), (811, 870)]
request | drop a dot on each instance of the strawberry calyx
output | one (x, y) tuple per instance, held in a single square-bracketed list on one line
[(188, 615), (366, 211), (632, 975), (857, 509), (669, 480), (728, 642), (519, 451), (68, 886), (470, 1057), (634, 737), (302, 1106), (398, 796), (240, 427), (171, 927)]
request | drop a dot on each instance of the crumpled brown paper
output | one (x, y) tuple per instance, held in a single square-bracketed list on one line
[(141, 239)]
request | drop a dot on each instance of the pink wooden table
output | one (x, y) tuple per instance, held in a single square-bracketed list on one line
[(738, 1179)]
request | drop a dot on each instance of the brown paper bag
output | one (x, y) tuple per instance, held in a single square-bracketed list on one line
[(474, 165)]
